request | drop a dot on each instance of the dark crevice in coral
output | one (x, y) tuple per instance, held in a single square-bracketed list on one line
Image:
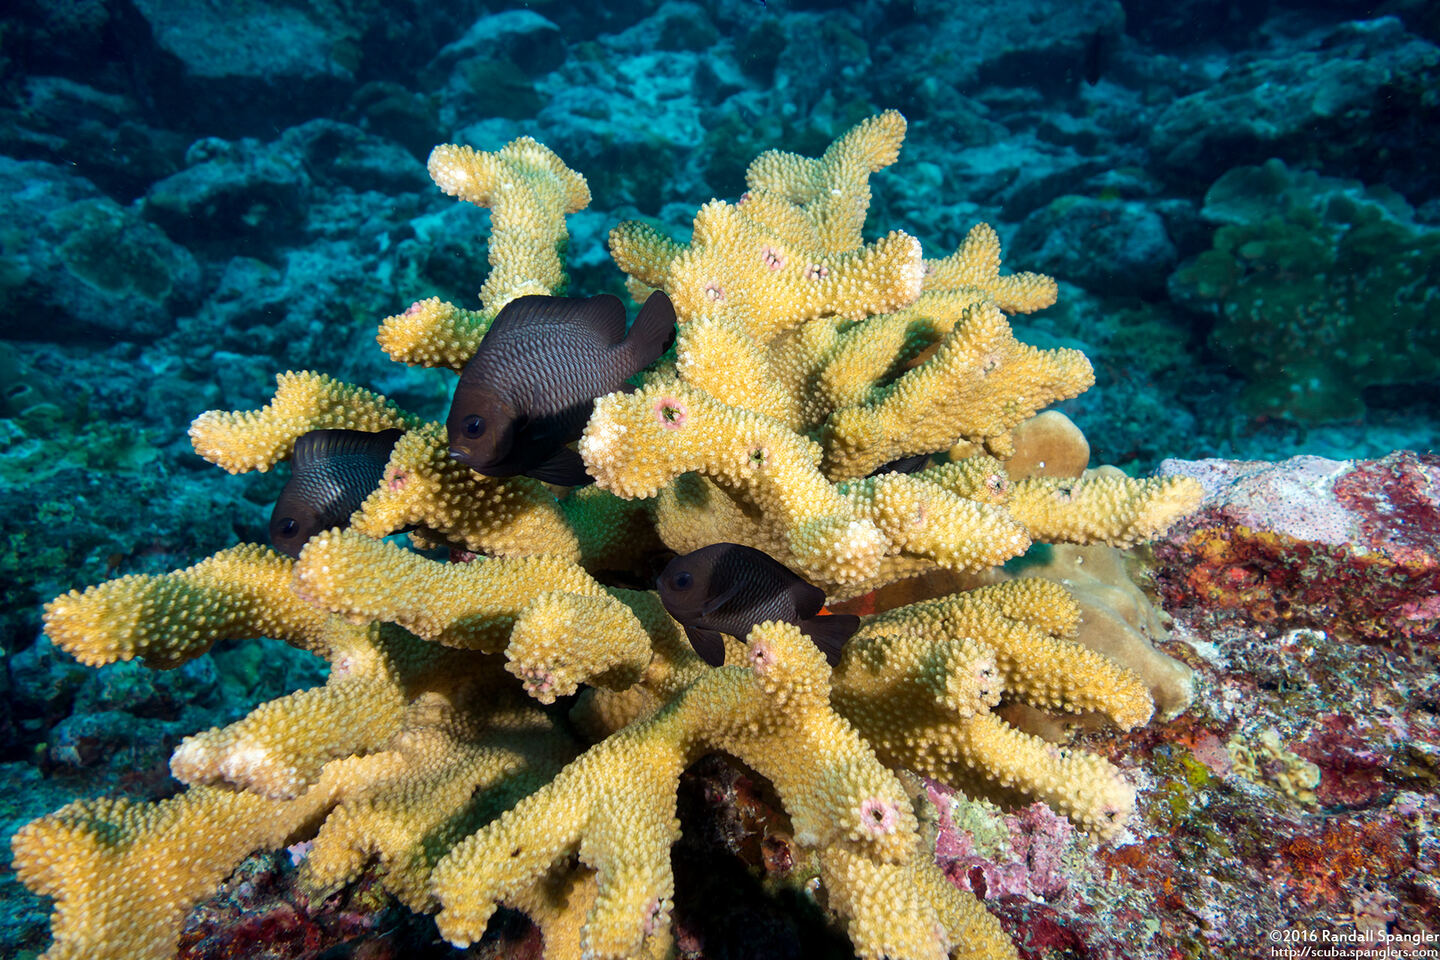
[(737, 894)]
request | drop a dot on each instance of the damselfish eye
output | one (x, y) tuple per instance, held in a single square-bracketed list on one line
[(474, 425), (683, 580), (288, 527)]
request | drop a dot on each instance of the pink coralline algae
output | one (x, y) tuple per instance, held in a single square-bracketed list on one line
[(260, 912), (1352, 769), (1396, 503), (1027, 863), (1389, 506)]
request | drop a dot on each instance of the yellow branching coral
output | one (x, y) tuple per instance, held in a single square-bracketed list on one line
[(615, 805), (382, 737), (450, 503), (280, 748), (613, 533), (845, 364), (168, 619), (763, 486), (257, 440), (790, 251), (1104, 506), (943, 664), (455, 743), (423, 490), (635, 444), (975, 265), (529, 190), (721, 358), (825, 200), (737, 269), (557, 625), (980, 383), (806, 361), (95, 856), (884, 907)]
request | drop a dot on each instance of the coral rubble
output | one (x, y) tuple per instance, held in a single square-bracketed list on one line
[(806, 361)]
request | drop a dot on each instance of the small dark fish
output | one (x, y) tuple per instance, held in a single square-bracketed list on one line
[(331, 474), (1099, 51), (913, 464), (530, 387), (728, 588)]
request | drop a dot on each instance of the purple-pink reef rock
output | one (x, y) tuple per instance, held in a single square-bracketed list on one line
[(1295, 803)]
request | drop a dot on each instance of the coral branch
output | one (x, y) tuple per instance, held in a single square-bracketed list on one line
[(93, 856), (168, 619), (257, 440)]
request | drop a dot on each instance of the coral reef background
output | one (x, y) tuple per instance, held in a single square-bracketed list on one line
[(1240, 204)]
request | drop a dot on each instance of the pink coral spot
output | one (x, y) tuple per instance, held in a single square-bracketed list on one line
[(760, 656), (984, 680), (773, 258), (414, 308), (878, 817), (670, 412), (714, 292), (398, 481), (654, 916), (817, 271)]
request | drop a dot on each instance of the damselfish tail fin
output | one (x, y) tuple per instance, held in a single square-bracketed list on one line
[(653, 331), (829, 633)]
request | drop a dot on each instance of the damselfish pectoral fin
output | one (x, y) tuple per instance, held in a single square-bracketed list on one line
[(717, 603), (564, 468), (710, 644)]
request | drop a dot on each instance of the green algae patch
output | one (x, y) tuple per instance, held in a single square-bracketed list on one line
[(1320, 288)]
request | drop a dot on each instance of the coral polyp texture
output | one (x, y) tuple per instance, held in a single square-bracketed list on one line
[(807, 359)]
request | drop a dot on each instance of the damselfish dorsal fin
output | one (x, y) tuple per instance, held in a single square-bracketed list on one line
[(319, 446), (603, 316)]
